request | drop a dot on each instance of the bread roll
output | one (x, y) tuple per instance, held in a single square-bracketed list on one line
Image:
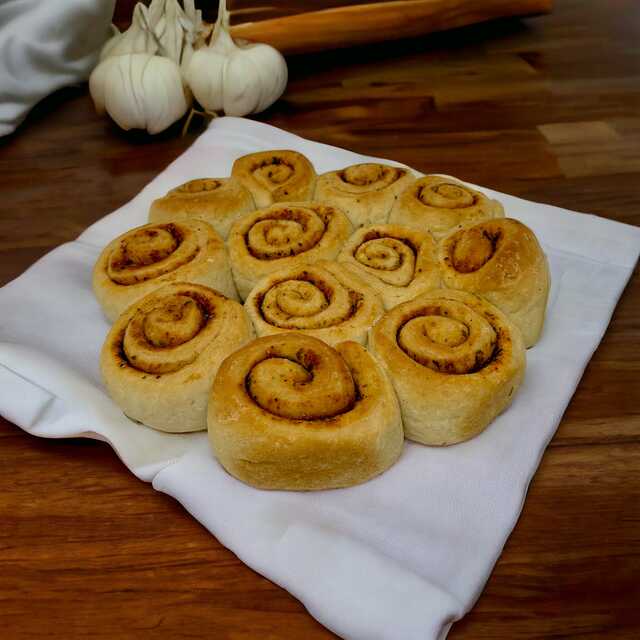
[(160, 357), (324, 300), (438, 205), (397, 262), (148, 257), (455, 360), (276, 176), (365, 192), (282, 236), (217, 201), (290, 412), (502, 261)]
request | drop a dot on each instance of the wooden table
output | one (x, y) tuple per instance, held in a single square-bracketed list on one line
[(547, 109)]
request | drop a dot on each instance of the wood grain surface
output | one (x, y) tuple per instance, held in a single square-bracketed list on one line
[(547, 109)]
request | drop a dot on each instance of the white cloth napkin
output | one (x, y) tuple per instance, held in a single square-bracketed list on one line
[(402, 556), (45, 45)]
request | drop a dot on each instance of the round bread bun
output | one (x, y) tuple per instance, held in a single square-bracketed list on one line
[(160, 358), (502, 261), (283, 235), (325, 300), (149, 257), (438, 205), (397, 262), (217, 201), (276, 176), (455, 360), (290, 412), (365, 192)]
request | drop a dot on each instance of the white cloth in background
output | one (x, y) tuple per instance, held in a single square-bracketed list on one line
[(399, 557), (46, 45)]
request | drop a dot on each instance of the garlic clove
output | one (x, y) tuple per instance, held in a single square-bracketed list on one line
[(97, 86), (123, 99), (242, 85), (273, 75), (205, 75), (170, 100)]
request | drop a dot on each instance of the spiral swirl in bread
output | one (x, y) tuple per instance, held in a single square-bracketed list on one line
[(502, 261), (148, 257), (290, 412), (397, 262), (324, 300), (365, 192), (276, 176), (160, 357), (455, 360), (438, 205), (217, 201), (284, 235)]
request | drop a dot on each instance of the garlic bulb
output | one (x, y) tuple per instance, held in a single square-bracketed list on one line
[(139, 91), (235, 78)]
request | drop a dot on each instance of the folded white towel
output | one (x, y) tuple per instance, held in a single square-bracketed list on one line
[(401, 556), (45, 46)]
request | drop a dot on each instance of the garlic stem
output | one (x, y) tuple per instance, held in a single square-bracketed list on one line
[(222, 22), (150, 25)]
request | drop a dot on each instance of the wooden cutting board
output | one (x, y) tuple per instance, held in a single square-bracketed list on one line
[(327, 24)]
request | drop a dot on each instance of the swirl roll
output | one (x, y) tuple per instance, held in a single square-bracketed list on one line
[(160, 358), (284, 235), (148, 257), (290, 412), (276, 176), (438, 205), (398, 262), (365, 192), (502, 261), (324, 300), (455, 360), (217, 201)]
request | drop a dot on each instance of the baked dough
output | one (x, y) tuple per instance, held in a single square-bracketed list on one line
[(502, 261), (276, 176), (455, 360), (365, 192), (438, 205), (148, 257), (160, 358), (284, 235), (398, 262), (290, 412), (217, 201), (324, 300)]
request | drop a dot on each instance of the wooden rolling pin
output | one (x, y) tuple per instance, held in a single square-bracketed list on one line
[(352, 25)]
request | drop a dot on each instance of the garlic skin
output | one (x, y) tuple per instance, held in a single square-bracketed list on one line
[(171, 30), (195, 32), (234, 77), (137, 38), (111, 43), (140, 91)]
